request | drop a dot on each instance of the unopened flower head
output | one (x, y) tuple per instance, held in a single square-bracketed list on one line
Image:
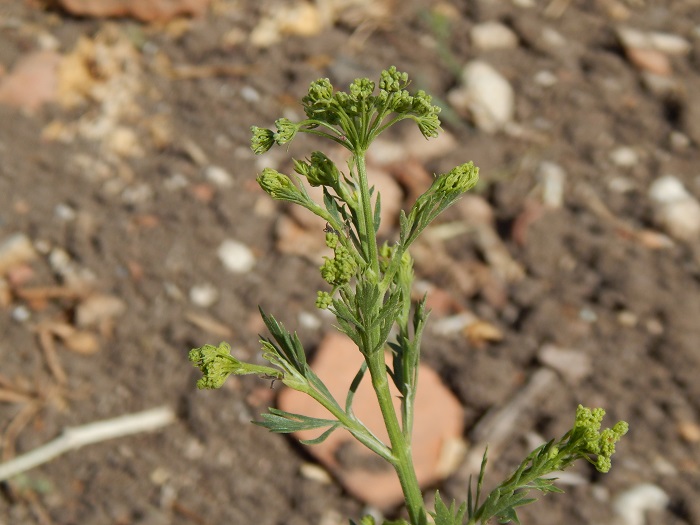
[(392, 81), (458, 179), (278, 186), (216, 364), (262, 140), (286, 130), (319, 171)]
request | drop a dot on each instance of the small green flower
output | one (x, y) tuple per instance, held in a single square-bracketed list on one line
[(262, 140)]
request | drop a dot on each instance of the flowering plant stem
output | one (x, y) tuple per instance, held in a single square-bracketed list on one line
[(370, 297)]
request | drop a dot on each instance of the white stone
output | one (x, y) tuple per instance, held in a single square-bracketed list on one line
[(675, 209), (236, 256), (486, 94), (551, 177), (15, 250), (493, 35), (218, 176), (624, 157), (669, 43), (546, 78), (309, 321), (633, 504), (204, 295)]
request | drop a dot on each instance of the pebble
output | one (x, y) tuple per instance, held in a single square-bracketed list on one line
[(21, 314), (486, 95), (144, 11), (624, 157), (551, 177), (309, 321), (98, 309), (218, 176), (573, 365), (250, 94), (675, 209), (64, 212), (15, 250), (545, 78), (236, 256), (493, 35), (204, 295), (632, 504)]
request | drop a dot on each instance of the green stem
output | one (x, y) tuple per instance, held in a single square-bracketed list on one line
[(400, 445)]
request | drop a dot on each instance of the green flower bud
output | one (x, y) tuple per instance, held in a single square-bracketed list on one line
[(286, 130), (340, 269), (318, 101), (320, 171), (332, 240), (458, 180), (429, 126), (392, 81), (217, 363), (323, 300), (262, 140), (278, 186), (361, 89)]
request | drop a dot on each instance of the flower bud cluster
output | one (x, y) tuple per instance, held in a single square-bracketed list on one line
[(341, 268), (216, 364), (319, 171)]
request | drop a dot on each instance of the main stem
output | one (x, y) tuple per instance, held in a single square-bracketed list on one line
[(400, 445)]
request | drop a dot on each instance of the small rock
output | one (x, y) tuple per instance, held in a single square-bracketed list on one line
[(675, 209), (624, 157), (204, 295), (97, 309), (573, 365), (21, 314), (15, 250), (147, 11), (669, 43), (236, 256), (545, 78), (32, 82), (218, 176), (486, 95), (493, 35), (309, 321), (64, 212), (633, 504), (649, 60), (689, 431), (551, 177)]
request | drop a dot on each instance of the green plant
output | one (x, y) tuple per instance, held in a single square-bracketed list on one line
[(369, 294)]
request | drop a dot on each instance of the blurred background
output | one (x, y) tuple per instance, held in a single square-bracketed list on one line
[(132, 229)]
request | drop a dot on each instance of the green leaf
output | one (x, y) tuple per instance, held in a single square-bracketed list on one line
[(283, 422), (448, 516), (319, 439), (354, 386), (290, 345)]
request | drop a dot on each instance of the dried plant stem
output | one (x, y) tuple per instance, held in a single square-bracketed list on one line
[(76, 437)]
